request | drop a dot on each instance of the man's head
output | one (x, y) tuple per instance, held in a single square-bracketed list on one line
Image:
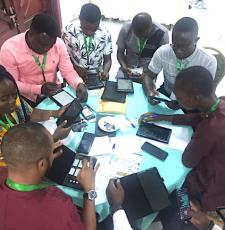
[(27, 148), (193, 85), (142, 25), (43, 33), (90, 16), (8, 92), (185, 37)]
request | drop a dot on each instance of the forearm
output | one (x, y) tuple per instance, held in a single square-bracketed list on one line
[(148, 84), (121, 60), (107, 65), (191, 119), (89, 216), (43, 115)]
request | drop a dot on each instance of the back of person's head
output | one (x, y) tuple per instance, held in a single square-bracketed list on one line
[(25, 144), (44, 23), (186, 25), (6, 76), (195, 81), (90, 13), (141, 22)]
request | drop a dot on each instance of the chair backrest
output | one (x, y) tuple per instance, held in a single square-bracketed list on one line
[(220, 71)]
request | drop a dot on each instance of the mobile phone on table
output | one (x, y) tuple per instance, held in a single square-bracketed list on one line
[(62, 98), (183, 203), (159, 99), (88, 113), (154, 151), (86, 143)]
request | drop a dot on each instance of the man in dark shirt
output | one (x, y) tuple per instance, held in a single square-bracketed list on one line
[(206, 151), (26, 202)]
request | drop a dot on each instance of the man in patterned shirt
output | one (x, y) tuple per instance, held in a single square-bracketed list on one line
[(89, 45)]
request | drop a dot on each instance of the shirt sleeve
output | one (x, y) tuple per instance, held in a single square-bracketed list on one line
[(121, 40), (120, 221), (200, 146), (66, 67), (8, 60), (212, 66), (216, 227), (108, 44), (155, 64)]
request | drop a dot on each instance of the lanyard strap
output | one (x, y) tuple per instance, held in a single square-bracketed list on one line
[(214, 107), (41, 65), (24, 187), (88, 43), (6, 126), (179, 65), (141, 44)]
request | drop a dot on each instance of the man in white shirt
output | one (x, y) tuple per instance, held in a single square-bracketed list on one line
[(171, 59)]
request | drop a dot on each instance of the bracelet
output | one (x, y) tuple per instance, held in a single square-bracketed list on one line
[(210, 226)]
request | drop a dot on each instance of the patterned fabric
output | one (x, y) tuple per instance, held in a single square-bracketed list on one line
[(101, 45)]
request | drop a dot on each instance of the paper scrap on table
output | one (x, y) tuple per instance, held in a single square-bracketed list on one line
[(101, 146)]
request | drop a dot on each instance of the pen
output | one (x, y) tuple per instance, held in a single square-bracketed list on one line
[(153, 115), (129, 121), (113, 153)]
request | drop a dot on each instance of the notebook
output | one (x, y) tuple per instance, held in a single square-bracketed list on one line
[(112, 107), (110, 93), (149, 191)]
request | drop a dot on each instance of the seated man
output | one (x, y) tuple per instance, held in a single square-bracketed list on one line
[(183, 53), (27, 202), (137, 42), (205, 152), (89, 45), (34, 57)]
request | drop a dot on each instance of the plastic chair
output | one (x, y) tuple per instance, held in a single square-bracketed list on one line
[(220, 71)]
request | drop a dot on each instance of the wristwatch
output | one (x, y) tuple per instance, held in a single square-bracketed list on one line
[(90, 195)]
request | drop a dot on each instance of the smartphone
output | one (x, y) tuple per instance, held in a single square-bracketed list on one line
[(183, 203), (159, 99), (154, 151), (88, 113), (86, 143), (71, 114), (71, 178), (62, 98)]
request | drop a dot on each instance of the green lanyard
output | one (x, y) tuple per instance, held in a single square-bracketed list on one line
[(179, 65), (41, 65), (141, 44), (4, 125), (88, 43), (24, 187), (213, 108)]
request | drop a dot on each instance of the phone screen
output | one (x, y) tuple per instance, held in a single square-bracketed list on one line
[(124, 84), (63, 98), (87, 113)]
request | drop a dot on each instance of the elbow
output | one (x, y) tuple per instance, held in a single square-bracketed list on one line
[(186, 161)]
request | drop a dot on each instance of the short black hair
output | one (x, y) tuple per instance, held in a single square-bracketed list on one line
[(26, 143), (195, 80), (6, 76), (186, 24), (44, 23), (90, 13), (141, 22)]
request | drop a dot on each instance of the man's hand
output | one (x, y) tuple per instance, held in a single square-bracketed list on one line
[(57, 151), (153, 117), (115, 193), (198, 218), (57, 113), (49, 88), (174, 105), (61, 132), (104, 76), (153, 93), (81, 92), (86, 176)]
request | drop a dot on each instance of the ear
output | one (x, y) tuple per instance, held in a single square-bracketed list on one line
[(42, 166), (196, 40)]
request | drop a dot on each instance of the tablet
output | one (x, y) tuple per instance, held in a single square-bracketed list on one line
[(62, 98), (125, 85)]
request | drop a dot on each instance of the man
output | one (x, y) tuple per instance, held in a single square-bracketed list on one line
[(205, 151), (27, 202), (137, 42), (89, 45), (34, 57), (183, 53)]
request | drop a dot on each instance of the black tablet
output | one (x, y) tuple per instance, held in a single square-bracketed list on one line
[(71, 113), (62, 98), (125, 85)]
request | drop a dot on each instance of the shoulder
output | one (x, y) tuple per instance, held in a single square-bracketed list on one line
[(103, 32), (14, 42), (72, 28), (165, 50), (158, 26), (126, 27), (204, 55)]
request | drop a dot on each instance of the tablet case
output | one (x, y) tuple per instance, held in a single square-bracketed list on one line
[(154, 132), (99, 132), (145, 193), (110, 93), (94, 82)]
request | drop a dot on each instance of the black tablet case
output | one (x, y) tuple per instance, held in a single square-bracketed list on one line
[(93, 82), (110, 93), (99, 132), (145, 193)]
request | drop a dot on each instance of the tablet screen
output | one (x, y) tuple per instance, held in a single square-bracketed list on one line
[(124, 84), (63, 98)]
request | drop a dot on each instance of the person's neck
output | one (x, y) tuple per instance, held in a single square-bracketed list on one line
[(24, 178), (207, 103), (28, 40)]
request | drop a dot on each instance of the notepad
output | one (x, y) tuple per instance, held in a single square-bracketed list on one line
[(112, 107)]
